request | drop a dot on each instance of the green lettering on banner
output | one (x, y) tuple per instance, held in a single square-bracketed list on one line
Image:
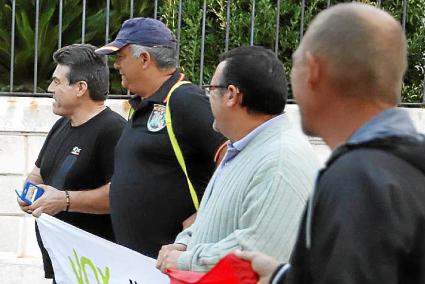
[(105, 278), (84, 262), (80, 272)]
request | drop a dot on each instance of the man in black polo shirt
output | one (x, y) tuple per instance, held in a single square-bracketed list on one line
[(75, 165), (150, 196)]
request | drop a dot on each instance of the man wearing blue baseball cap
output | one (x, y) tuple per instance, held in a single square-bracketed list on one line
[(152, 191), (142, 31)]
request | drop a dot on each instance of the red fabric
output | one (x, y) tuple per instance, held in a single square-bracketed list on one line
[(229, 270)]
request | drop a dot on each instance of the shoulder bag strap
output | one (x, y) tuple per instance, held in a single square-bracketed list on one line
[(175, 144)]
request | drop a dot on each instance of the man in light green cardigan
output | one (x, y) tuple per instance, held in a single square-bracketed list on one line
[(256, 197)]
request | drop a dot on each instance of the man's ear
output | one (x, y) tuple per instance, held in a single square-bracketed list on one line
[(82, 88), (145, 59), (315, 71), (233, 96)]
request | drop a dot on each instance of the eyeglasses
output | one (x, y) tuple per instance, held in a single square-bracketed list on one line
[(209, 88)]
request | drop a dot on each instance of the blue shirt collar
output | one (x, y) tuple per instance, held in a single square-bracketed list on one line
[(241, 144), (234, 148), (391, 122)]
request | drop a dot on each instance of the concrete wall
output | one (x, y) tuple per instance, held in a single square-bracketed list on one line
[(24, 123)]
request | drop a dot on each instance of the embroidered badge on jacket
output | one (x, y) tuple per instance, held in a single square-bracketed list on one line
[(156, 120)]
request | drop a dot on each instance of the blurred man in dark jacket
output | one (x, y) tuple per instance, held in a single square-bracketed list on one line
[(365, 222)]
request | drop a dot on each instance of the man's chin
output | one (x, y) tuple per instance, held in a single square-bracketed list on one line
[(308, 131), (214, 126), (124, 82), (54, 108), (56, 111)]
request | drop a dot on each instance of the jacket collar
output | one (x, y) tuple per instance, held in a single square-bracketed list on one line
[(393, 125), (394, 122)]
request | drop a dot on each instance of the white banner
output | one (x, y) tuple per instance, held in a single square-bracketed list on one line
[(83, 258)]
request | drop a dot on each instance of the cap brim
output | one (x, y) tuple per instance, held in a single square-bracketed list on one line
[(110, 48)]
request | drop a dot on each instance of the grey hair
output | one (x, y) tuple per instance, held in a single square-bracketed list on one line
[(165, 57)]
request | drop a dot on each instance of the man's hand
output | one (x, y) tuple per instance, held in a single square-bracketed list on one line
[(262, 264), (168, 256), (51, 202), (170, 260), (24, 206)]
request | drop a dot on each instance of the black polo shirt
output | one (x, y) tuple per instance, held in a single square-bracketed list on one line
[(149, 196), (78, 158)]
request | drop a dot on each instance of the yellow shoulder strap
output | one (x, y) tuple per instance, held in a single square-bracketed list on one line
[(175, 144), (130, 113)]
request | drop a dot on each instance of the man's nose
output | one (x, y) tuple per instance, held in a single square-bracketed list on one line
[(50, 89)]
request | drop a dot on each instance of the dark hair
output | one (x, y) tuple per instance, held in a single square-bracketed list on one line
[(260, 77), (85, 65)]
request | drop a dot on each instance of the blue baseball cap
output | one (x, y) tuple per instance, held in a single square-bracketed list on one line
[(141, 31)]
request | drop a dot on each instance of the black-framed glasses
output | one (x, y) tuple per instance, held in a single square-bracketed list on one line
[(209, 88)]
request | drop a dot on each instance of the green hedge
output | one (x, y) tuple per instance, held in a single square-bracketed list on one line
[(290, 20), (265, 25), (48, 35)]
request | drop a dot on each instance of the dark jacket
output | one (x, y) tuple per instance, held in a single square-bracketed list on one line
[(368, 217)]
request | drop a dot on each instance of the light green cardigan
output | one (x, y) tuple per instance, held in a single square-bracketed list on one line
[(258, 202)]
